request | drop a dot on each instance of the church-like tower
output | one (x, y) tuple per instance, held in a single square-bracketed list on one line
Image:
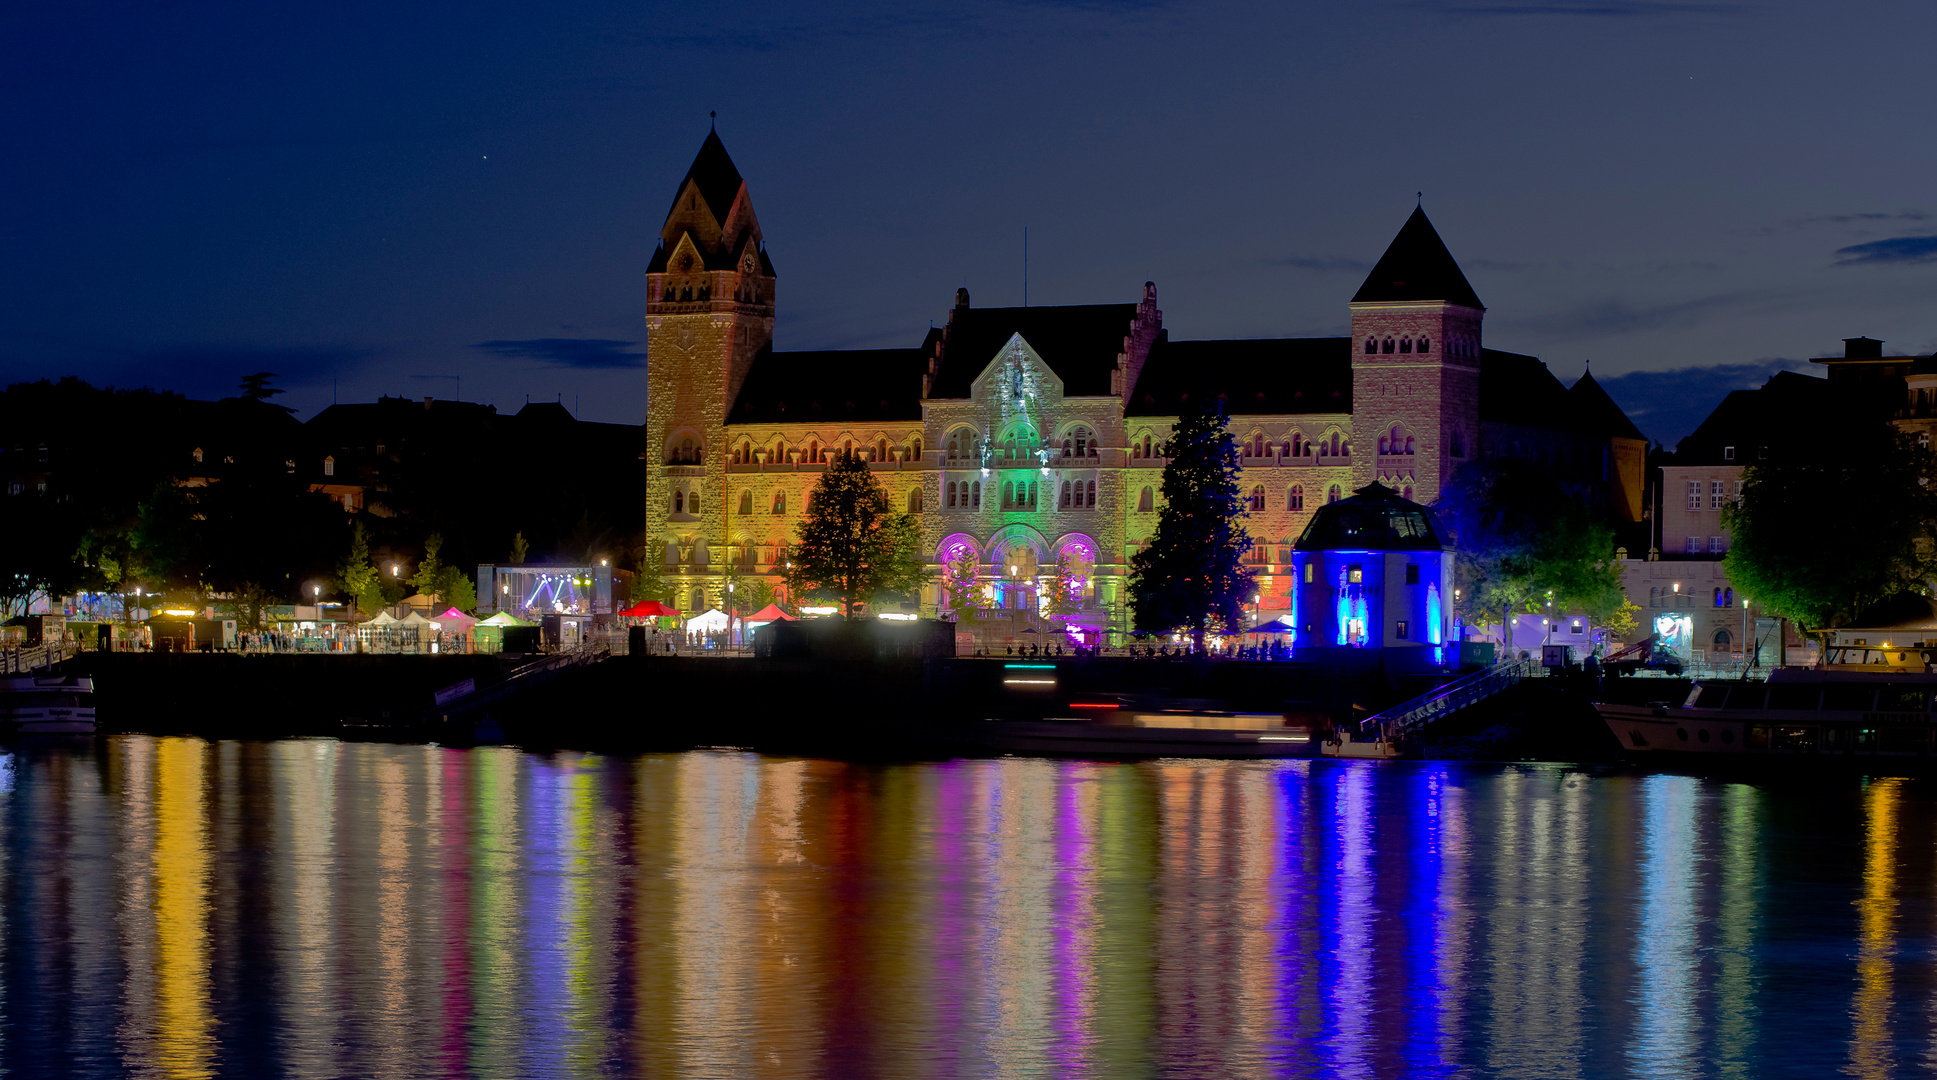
[(709, 312), (1415, 366)]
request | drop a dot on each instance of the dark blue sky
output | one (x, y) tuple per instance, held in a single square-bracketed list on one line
[(386, 198)]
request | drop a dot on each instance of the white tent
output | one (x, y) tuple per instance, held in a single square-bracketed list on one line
[(712, 621), (384, 618)]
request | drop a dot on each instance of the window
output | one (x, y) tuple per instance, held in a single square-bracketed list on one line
[(746, 504), (692, 503), (1728, 453), (1399, 631), (950, 489), (1143, 501), (679, 502), (1333, 494), (1257, 499), (1090, 495), (1728, 597), (1716, 495), (1694, 545), (1718, 597), (1065, 503), (880, 449), (1406, 493), (1308, 573), (1295, 498), (1371, 346), (329, 466), (1654, 597), (1355, 574), (1008, 494), (1388, 346), (1405, 346), (914, 501), (1425, 345), (1412, 573), (1694, 494), (1722, 640), (1032, 494), (975, 502), (779, 503), (1717, 545)]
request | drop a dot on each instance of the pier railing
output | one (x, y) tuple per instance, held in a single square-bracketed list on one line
[(1410, 716), (17, 660)]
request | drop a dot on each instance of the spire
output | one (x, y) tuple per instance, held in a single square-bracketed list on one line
[(719, 182), (1417, 267)]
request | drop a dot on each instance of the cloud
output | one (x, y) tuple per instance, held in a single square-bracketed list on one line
[(1900, 249), (1599, 9), (1301, 262), (1847, 219), (589, 353), (1618, 317), (1668, 405)]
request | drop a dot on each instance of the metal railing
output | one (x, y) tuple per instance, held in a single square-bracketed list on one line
[(1409, 716), (20, 659)]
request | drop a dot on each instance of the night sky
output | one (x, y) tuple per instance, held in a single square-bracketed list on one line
[(371, 199)]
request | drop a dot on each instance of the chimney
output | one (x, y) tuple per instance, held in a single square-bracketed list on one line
[(961, 298), (1861, 348), (427, 404)]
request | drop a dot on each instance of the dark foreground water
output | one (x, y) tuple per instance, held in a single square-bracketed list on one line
[(175, 908)]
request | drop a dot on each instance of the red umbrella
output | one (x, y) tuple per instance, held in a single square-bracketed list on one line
[(650, 609)]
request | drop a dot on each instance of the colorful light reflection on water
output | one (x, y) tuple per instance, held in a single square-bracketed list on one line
[(311, 909)]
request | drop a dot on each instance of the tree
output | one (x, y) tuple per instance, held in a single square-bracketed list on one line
[(1520, 540), (1191, 575), (449, 586), (357, 576), (962, 584), (850, 546), (1797, 561), (519, 548), (257, 386)]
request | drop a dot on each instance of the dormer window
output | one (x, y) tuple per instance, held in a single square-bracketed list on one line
[(1728, 453), (329, 466)]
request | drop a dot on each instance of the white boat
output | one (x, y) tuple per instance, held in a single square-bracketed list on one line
[(1128, 733), (1797, 712), (47, 705)]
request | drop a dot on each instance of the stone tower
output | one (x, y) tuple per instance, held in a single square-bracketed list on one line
[(709, 312), (1415, 366)]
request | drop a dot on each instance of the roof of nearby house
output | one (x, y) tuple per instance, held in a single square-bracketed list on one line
[(1375, 518)]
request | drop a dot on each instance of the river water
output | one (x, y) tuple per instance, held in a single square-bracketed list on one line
[(310, 908)]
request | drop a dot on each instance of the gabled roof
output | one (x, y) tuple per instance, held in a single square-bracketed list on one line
[(832, 386), (719, 182), (1375, 518), (1255, 376), (1594, 410), (1417, 266), (1080, 343), (1748, 420)]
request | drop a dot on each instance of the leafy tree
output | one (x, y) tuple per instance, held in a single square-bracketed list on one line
[(1796, 561), (1519, 540), (850, 546), (962, 583), (358, 576), (519, 548), (1191, 575), (448, 586)]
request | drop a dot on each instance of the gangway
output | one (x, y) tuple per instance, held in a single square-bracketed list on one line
[(454, 702), (1408, 717)]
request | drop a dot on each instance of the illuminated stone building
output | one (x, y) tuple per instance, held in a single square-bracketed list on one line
[(1033, 436)]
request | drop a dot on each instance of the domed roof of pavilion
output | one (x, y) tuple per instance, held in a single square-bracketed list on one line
[(1375, 518)]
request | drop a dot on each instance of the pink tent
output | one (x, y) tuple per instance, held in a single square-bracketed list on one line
[(650, 609), (454, 619)]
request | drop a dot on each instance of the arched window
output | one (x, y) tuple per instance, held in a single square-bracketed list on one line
[(692, 503), (950, 489), (672, 553), (679, 502), (1389, 345), (914, 501), (1092, 493), (699, 599), (1718, 597), (1408, 444), (1064, 504), (1008, 494), (1295, 498), (1425, 345), (1371, 346), (1032, 493), (1333, 495), (779, 451), (880, 449), (779, 503), (1728, 597), (1722, 640), (1143, 501), (1405, 345), (975, 496), (814, 451), (1654, 597), (1406, 493), (914, 450), (746, 503), (1335, 444), (1257, 498)]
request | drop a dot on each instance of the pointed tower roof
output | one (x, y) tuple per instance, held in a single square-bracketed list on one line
[(1417, 267), (719, 182), (1597, 410)]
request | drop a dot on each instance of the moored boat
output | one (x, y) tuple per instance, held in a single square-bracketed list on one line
[(1157, 733), (47, 704), (1798, 711)]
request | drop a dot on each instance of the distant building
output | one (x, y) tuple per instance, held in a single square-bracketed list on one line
[(1026, 436)]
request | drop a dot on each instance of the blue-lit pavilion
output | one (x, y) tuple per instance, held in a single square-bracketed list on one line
[(1372, 572)]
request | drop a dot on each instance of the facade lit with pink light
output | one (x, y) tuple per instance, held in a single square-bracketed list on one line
[(1033, 436)]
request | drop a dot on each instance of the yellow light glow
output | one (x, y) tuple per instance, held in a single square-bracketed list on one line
[(178, 611)]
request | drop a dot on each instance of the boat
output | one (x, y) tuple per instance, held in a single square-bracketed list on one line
[(1151, 733), (47, 705), (1797, 712)]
